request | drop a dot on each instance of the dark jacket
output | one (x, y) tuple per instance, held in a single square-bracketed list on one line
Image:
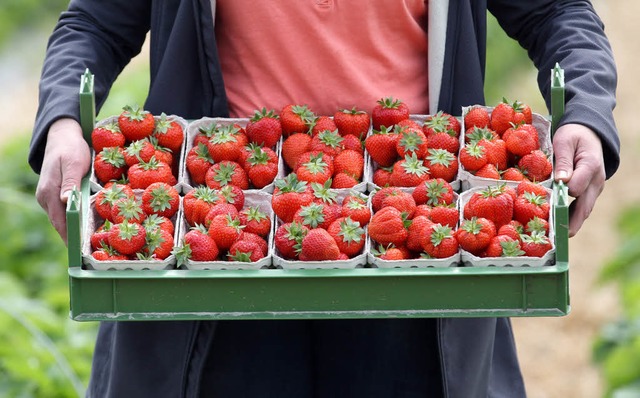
[(478, 356)]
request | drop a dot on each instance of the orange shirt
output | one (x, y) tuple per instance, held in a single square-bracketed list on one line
[(327, 54)]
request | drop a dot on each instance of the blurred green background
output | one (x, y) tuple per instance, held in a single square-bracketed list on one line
[(44, 354)]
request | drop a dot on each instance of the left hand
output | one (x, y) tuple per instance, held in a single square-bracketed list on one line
[(580, 164)]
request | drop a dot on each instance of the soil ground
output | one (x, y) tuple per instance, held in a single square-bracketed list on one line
[(555, 353)]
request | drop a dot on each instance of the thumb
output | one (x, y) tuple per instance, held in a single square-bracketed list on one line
[(564, 147), (71, 178)]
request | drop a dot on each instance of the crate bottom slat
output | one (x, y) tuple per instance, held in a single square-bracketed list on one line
[(318, 294)]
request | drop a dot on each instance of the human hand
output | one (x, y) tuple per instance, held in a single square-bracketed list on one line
[(67, 159), (580, 164)]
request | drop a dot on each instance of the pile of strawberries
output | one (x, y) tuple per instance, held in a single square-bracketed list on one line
[(135, 227), (503, 144), (137, 148)]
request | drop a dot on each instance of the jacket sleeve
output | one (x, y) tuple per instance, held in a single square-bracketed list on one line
[(100, 35), (570, 33)]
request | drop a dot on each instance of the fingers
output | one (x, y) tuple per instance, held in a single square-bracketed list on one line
[(47, 195), (578, 154)]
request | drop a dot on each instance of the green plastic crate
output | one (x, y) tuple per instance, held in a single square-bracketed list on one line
[(307, 294)]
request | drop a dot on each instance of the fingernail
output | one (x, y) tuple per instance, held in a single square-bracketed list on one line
[(65, 196), (562, 175)]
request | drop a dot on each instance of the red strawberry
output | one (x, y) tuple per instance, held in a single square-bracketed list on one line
[(160, 198), (109, 164), (414, 237), (225, 144), (390, 253), (536, 166), (260, 241), (136, 123), (475, 234), (101, 236), (143, 174), (513, 230), (522, 140), (357, 210), (401, 200), (349, 162), (445, 214), (441, 122), (224, 230), (328, 142), (387, 226), (317, 215), (264, 128), (349, 236), (537, 224), (197, 245), (318, 245), (127, 209), (536, 244), (127, 238), (381, 145), (220, 208), (137, 151), (533, 187), (198, 202), (198, 162), (107, 196), (232, 194), (505, 114), (493, 203), (446, 140), (288, 196), (476, 117), (350, 141), (343, 181), (261, 167), (318, 168), (503, 246), (296, 119), (473, 157), (245, 251), (442, 164), (107, 253), (169, 133), (288, 239), (352, 122), (163, 154), (154, 221), (378, 196), (528, 206), (293, 147), (410, 142), (513, 174), (255, 221), (106, 136), (323, 123), (433, 191), (488, 171), (423, 210), (382, 176), (409, 172), (438, 241), (388, 111), (226, 173), (158, 244)]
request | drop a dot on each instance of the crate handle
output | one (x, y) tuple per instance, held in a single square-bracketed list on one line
[(561, 216), (74, 228)]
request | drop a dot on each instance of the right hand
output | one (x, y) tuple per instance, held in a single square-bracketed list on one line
[(67, 158)]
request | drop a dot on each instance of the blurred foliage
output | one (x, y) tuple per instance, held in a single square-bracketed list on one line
[(18, 15), (617, 348)]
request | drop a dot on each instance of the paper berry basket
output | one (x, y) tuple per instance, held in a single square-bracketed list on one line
[(179, 294)]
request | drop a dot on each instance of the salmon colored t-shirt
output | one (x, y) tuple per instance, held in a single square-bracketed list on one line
[(327, 54)]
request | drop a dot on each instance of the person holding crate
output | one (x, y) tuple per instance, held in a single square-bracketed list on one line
[(227, 58)]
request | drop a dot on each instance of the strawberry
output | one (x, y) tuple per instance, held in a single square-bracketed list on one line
[(109, 164), (169, 133), (410, 142), (318, 168), (316, 215), (261, 167), (352, 122), (438, 241), (127, 238), (137, 151), (225, 144), (101, 236), (227, 173), (220, 208), (296, 119), (513, 174), (528, 206), (143, 174), (445, 215), (433, 191), (488, 171), (513, 230), (198, 161), (160, 198), (158, 244), (446, 140), (288, 196), (127, 209), (475, 234), (522, 140), (293, 147), (318, 245), (288, 238), (245, 251), (493, 203), (107, 253), (257, 239), (264, 128), (473, 156), (343, 181), (232, 194), (423, 210), (505, 114), (537, 224), (352, 142), (476, 134), (382, 176), (476, 117), (378, 196), (224, 230), (204, 134), (414, 236), (327, 141), (388, 226), (442, 164), (349, 236), (154, 221), (440, 123), (198, 202), (323, 123), (536, 166), (381, 145), (197, 245), (409, 172), (388, 111), (530, 186), (536, 244), (349, 162), (135, 123), (357, 210), (390, 253), (108, 195), (503, 246), (106, 136), (255, 221), (401, 200)]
